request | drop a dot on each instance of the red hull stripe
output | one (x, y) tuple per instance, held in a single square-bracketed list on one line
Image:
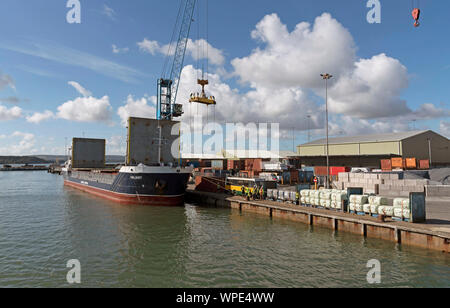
[(128, 199)]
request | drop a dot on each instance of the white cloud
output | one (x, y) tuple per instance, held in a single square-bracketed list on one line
[(80, 89), (371, 90), (151, 47), (6, 81), (61, 54), (116, 145), (430, 111), (137, 108), (86, 109), (118, 50), (361, 88), (10, 114), (193, 48), (258, 105), (39, 117), (445, 128), (24, 144), (297, 58), (81, 109), (109, 12)]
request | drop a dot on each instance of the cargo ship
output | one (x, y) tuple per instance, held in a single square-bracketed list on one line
[(160, 182)]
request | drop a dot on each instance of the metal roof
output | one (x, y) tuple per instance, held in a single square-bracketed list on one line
[(241, 154), (367, 138)]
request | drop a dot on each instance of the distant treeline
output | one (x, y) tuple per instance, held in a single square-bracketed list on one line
[(49, 159), (22, 160)]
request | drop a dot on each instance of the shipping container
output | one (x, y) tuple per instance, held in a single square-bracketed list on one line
[(411, 163), (424, 164), (308, 176), (217, 164), (310, 169), (295, 179), (336, 170), (231, 164), (398, 163), (253, 164), (386, 165), (195, 164), (320, 171)]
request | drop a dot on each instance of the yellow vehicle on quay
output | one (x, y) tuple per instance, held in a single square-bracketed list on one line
[(235, 184)]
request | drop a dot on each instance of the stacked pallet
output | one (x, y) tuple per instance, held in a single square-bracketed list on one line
[(385, 184)]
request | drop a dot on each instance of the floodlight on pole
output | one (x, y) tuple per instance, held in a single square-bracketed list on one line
[(326, 77)]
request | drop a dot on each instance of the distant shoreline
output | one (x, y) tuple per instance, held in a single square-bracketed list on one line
[(47, 159)]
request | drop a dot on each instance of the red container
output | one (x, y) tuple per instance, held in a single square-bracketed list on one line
[(231, 164), (253, 164), (294, 177), (424, 164), (337, 170), (386, 165)]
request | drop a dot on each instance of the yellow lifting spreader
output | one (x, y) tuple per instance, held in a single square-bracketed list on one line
[(201, 98)]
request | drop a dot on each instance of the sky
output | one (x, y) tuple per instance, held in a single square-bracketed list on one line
[(60, 80)]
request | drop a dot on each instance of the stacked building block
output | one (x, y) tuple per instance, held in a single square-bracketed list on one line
[(387, 184)]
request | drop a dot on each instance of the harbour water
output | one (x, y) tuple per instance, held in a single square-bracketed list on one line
[(43, 225)]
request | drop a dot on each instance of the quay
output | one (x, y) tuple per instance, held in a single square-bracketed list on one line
[(434, 234), (25, 168)]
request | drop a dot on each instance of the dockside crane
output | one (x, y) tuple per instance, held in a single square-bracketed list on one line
[(167, 108)]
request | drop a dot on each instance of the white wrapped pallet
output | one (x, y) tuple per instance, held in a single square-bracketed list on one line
[(287, 195), (407, 213), (317, 202), (280, 195), (304, 193), (307, 200), (402, 213), (378, 200), (366, 208), (338, 205), (374, 208), (386, 210), (398, 212), (359, 199), (316, 194), (359, 207), (352, 206), (328, 204), (325, 195), (401, 203), (339, 196)]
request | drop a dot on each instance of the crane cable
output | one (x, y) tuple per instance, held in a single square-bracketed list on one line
[(172, 40)]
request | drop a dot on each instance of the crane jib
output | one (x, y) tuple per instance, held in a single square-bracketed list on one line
[(168, 88)]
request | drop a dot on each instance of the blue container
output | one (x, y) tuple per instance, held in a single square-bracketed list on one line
[(309, 169)]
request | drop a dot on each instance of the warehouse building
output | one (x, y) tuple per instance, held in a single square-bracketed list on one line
[(369, 150)]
